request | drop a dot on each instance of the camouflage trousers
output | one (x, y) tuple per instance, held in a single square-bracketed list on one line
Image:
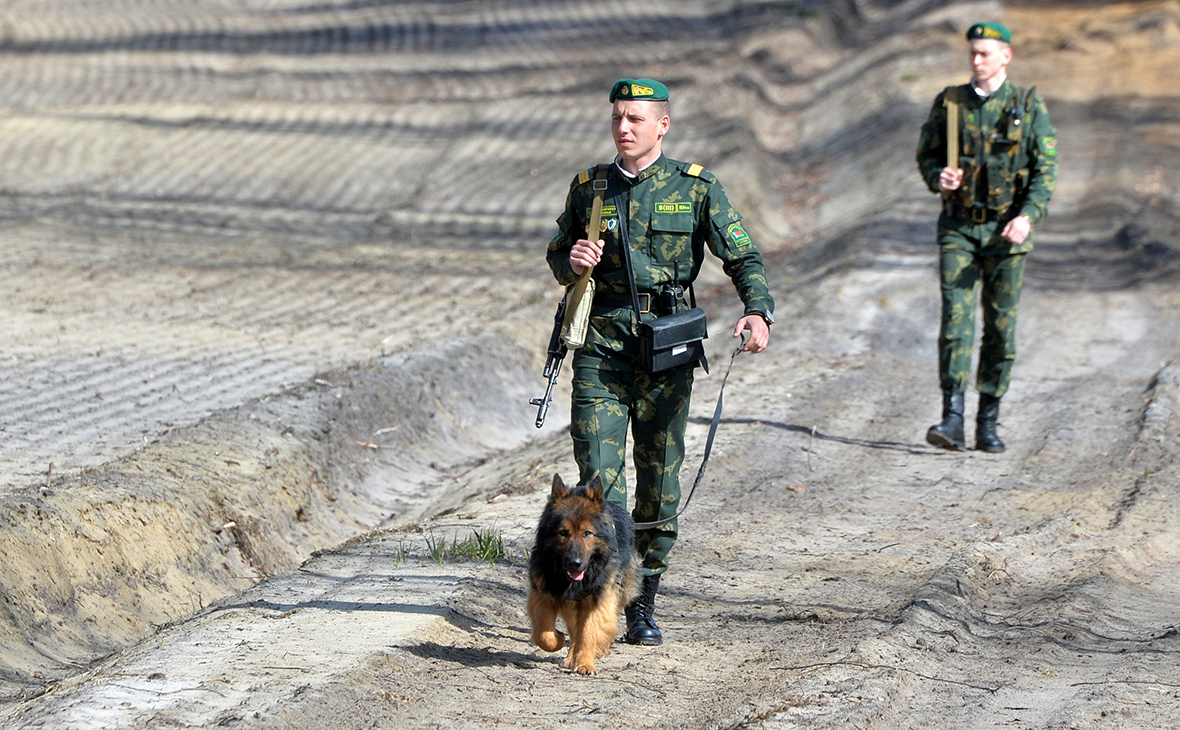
[(999, 278), (605, 403)]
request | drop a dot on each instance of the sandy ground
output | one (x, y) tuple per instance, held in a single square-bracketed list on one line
[(274, 303)]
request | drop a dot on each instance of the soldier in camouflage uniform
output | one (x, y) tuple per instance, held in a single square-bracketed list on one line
[(674, 211), (1007, 173)]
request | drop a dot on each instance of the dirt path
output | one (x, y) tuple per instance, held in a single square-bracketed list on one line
[(238, 241), (810, 586)]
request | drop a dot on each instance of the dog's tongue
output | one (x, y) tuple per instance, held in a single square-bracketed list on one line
[(576, 576)]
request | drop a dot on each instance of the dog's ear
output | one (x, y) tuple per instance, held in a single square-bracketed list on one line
[(595, 490), (559, 488)]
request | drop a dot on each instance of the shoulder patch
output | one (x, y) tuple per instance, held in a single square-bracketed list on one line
[(738, 235), (1049, 146)]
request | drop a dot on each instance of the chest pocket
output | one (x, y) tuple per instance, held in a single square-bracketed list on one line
[(671, 236), (679, 223)]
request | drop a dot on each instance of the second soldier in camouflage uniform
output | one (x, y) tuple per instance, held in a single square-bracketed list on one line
[(674, 211), (1007, 172)]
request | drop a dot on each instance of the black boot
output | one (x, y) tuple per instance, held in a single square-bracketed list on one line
[(949, 433), (985, 424), (641, 627)]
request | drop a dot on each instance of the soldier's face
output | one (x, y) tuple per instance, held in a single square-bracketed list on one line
[(638, 129), (988, 57)]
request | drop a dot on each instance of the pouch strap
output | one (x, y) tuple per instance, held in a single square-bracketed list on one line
[(625, 241), (625, 244)]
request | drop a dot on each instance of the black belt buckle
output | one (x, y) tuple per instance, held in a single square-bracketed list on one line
[(644, 303), (978, 214)]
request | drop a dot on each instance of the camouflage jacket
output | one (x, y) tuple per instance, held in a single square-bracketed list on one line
[(676, 210), (1007, 148)]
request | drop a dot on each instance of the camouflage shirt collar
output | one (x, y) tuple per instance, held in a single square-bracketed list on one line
[(985, 97), (644, 173)]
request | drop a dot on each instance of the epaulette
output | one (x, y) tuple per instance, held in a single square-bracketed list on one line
[(588, 174), (695, 170)]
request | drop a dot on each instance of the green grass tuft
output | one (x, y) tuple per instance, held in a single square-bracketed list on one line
[(486, 546)]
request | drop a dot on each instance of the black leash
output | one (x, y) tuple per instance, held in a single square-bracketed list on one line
[(708, 442)]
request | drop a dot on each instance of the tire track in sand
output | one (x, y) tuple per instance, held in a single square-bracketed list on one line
[(152, 148)]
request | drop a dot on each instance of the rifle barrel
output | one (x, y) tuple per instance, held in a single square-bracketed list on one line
[(556, 354)]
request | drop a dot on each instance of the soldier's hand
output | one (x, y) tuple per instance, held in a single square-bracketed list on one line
[(950, 179), (1017, 229), (759, 332), (584, 255)]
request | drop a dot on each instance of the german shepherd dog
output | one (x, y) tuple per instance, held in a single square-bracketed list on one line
[(582, 568)]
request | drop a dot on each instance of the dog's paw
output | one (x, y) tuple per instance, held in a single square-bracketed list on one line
[(549, 640), (580, 665), (585, 669)]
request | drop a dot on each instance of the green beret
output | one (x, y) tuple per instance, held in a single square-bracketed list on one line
[(994, 31), (639, 89)]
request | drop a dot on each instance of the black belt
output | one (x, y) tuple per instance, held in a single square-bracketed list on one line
[(978, 213), (620, 301)]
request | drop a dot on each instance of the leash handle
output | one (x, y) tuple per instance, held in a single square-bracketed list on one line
[(740, 348), (708, 442)]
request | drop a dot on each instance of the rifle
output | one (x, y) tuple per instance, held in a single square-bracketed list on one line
[(557, 351), (578, 300)]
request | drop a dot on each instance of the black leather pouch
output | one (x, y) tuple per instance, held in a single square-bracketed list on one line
[(673, 340)]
